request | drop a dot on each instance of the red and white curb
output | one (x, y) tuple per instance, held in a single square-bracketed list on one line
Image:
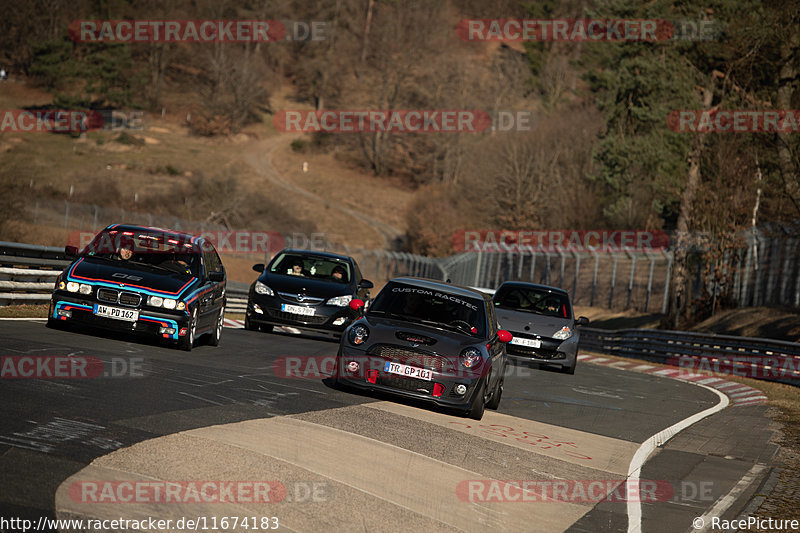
[(239, 324), (738, 393)]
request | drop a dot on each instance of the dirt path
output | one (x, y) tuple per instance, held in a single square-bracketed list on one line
[(260, 158)]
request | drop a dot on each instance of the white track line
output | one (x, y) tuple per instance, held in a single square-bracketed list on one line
[(721, 505), (649, 446)]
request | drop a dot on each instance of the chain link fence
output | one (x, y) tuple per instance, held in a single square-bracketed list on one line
[(764, 270)]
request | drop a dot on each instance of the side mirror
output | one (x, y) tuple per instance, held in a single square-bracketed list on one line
[(366, 284), (356, 304), (71, 251), (259, 267), (582, 321), (216, 276), (504, 336)]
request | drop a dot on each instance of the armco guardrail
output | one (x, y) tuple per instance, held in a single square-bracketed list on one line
[(756, 358), (236, 300), (28, 272)]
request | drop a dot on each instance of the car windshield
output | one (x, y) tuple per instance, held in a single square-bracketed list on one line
[(533, 300), (152, 249), (310, 266), (433, 307)]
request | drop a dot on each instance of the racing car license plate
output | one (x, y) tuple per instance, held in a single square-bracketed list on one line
[(408, 371), (297, 309), (130, 315), (531, 343)]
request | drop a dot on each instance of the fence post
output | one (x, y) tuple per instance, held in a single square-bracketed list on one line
[(630, 283), (561, 271), (577, 272), (533, 266), (613, 281), (785, 273), (594, 277), (649, 281), (747, 265), (667, 282)]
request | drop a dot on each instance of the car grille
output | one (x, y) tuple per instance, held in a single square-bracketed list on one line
[(113, 296), (407, 356), (535, 353), (300, 319), (130, 298), (107, 295), (295, 298), (404, 383)]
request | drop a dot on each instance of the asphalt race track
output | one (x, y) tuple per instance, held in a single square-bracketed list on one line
[(312, 458)]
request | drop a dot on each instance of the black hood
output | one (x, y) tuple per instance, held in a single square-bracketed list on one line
[(92, 270), (446, 342), (301, 285)]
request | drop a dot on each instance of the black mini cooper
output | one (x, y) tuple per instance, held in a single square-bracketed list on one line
[(305, 289), (137, 279), (427, 340)]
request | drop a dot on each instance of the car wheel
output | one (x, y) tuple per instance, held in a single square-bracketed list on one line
[(187, 343), (479, 403), (217, 333), (494, 403)]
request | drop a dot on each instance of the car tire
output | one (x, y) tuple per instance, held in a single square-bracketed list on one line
[(479, 403), (494, 403), (216, 333), (187, 342), (53, 323)]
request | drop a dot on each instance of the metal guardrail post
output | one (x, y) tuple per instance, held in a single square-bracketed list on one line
[(649, 281), (630, 282), (613, 282), (667, 279), (594, 277)]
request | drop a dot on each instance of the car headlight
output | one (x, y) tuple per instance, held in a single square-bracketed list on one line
[(72, 286), (85, 289), (358, 335), (62, 285), (181, 306), (340, 301), (470, 358), (563, 334), (166, 303), (263, 289)]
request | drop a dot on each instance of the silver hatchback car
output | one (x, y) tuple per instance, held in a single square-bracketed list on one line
[(541, 321)]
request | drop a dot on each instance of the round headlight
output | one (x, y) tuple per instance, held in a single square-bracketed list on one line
[(85, 288), (470, 358), (358, 334), (169, 303), (62, 285), (181, 306), (72, 286), (155, 301)]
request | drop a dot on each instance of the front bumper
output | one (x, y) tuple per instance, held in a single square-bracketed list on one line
[(69, 308), (440, 390), (551, 352), (266, 310)]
